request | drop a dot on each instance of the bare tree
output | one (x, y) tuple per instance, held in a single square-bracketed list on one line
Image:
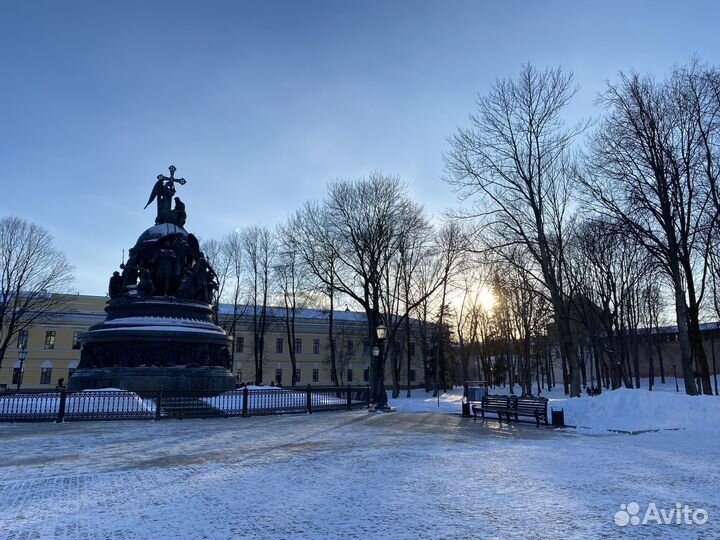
[(526, 309), (220, 264), (292, 287), (513, 163), (259, 247), (415, 243), (611, 271), (33, 273), (344, 353), (368, 218), (654, 307), (423, 311), (649, 173), (228, 255), (453, 245), (715, 281), (309, 231), (468, 315)]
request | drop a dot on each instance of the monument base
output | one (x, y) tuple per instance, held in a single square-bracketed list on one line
[(147, 380)]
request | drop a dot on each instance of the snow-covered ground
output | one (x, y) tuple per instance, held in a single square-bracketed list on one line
[(420, 472)]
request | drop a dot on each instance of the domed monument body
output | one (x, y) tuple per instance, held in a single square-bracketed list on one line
[(159, 330)]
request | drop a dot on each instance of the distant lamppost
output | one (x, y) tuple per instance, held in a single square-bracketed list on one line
[(492, 376), (381, 331), (381, 403), (22, 354), (677, 389)]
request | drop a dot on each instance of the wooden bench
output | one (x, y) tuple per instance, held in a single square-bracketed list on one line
[(512, 408), (501, 405), (534, 407)]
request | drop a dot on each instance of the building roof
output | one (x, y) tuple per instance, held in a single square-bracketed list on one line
[(316, 314)]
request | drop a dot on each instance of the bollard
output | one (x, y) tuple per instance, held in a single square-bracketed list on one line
[(61, 408), (158, 404), (349, 400), (309, 399), (465, 408), (465, 401), (245, 402)]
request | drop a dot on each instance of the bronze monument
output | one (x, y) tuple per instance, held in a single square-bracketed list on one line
[(159, 330)]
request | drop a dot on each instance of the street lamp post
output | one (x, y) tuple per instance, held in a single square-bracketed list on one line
[(677, 389), (381, 403), (22, 354)]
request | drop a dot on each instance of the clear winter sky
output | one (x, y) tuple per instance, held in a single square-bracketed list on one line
[(259, 104)]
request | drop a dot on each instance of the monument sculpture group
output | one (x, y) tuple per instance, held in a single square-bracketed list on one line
[(159, 329)]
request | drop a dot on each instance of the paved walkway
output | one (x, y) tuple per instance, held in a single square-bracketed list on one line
[(341, 475)]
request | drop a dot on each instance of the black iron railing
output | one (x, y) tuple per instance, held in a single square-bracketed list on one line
[(60, 405), (106, 405), (30, 406)]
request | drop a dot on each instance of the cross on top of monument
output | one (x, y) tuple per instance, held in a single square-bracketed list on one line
[(172, 178), (163, 192)]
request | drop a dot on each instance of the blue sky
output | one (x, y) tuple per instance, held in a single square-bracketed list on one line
[(260, 104)]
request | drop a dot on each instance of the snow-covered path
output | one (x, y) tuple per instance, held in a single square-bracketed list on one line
[(345, 475)]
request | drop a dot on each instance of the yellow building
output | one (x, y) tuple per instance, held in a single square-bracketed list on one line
[(53, 348)]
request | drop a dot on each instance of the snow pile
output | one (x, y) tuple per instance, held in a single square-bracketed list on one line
[(641, 410)]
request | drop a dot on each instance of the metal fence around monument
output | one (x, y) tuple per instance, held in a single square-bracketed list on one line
[(60, 405)]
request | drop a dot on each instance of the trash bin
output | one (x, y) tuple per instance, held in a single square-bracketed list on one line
[(558, 417), (465, 408)]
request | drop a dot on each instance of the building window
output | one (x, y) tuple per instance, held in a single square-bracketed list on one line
[(17, 376), (366, 348), (298, 345), (278, 376), (22, 340), (50, 339), (316, 375), (316, 346), (297, 375), (332, 376), (278, 345), (239, 344), (412, 375), (238, 375), (45, 375), (412, 349), (366, 374), (76, 340), (349, 375), (350, 347)]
